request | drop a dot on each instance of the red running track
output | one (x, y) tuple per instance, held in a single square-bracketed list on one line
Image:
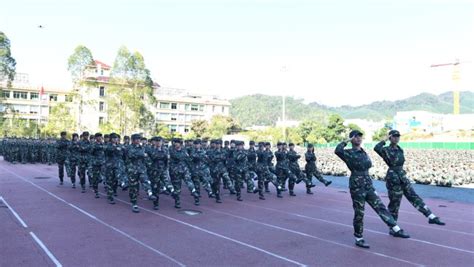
[(44, 224)]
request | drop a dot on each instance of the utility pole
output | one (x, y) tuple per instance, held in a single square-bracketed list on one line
[(284, 71)]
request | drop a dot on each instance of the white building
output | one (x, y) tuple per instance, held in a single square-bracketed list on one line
[(175, 108), (427, 122), (369, 126)]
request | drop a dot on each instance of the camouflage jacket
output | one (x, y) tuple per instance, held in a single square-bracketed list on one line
[(179, 161), (113, 155), (310, 158), (282, 159), (356, 160), (392, 155), (97, 153)]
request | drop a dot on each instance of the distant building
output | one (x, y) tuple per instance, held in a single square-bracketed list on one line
[(427, 122), (368, 126), (175, 108), (29, 103)]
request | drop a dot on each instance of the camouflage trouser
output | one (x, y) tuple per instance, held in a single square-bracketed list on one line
[(123, 177), (82, 168), (299, 175), (71, 168), (136, 175), (310, 173), (61, 169), (239, 178), (398, 186), (112, 176), (89, 173), (202, 175), (159, 178), (283, 175), (97, 173), (265, 176), (363, 191), (177, 178), (217, 175)]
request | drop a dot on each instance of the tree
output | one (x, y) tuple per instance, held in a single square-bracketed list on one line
[(294, 136), (7, 62), (199, 127), (380, 134), (60, 119), (220, 126), (335, 129), (130, 90), (353, 126), (78, 62)]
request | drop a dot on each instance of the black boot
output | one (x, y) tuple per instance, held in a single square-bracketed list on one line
[(292, 193), (327, 183), (361, 243), (279, 195), (436, 220), (196, 201), (308, 191), (218, 198)]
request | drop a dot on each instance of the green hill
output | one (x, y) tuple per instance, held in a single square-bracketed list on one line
[(265, 110)]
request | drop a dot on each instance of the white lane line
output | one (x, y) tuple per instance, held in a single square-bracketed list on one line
[(219, 235), (181, 222), (365, 229), (46, 250), (14, 213), (400, 221), (98, 220), (312, 236)]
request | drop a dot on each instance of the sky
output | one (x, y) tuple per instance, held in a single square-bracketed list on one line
[(328, 51)]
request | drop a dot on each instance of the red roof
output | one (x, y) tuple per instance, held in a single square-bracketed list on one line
[(102, 64)]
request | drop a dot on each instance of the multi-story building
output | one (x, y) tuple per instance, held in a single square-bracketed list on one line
[(175, 108), (178, 109), (29, 103)]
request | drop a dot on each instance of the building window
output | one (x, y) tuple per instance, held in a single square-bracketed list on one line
[(18, 95), (101, 106), (173, 128), (53, 98), (194, 107), (174, 105), (186, 130), (223, 109), (174, 117), (102, 72), (34, 96), (186, 107), (102, 91), (164, 105), (5, 94), (201, 107), (101, 120), (69, 98), (213, 108)]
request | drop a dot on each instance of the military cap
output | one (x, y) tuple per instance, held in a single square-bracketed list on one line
[(291, 144), (178, 140), (267, 144), (126, 137), (310, 145), (354, 133), (394, 133), (197, 142), (63, 133), (252, 143), (75, 135), (98, 135), (155, 139), (86, 133), (136, 136), (113, 135), (225, 143)]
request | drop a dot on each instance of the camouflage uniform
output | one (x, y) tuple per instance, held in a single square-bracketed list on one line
[(263, 171), (397, 183), (219, 172), (83, 164), (200, 170), (283, 170), (252, 166), (97, 163), (158, 172), (312, 170), (137, 172), (179, 172), (62, 154), (361, 187), (113, 154), (73, 160)]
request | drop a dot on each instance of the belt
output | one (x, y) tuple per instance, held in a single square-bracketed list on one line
[(359, 173)]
